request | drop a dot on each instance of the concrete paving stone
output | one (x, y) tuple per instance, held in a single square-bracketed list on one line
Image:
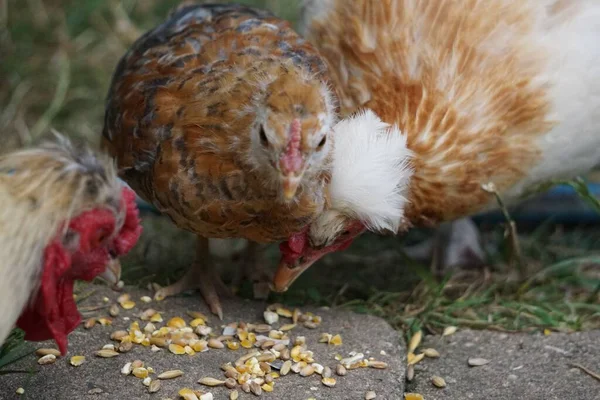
[(100, 378), (522, 366)]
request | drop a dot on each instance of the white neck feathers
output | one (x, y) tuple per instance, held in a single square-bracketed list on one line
[(371, 171)]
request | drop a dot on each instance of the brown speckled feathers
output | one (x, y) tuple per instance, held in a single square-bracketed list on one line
[(180, 110)]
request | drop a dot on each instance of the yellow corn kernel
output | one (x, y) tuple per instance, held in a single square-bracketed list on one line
[(336, 340), (176, 322), (128, 304), (200, 345), (267, 387), (198, 321), (233, 345), (156, 318), (140, 372), (176, 349)]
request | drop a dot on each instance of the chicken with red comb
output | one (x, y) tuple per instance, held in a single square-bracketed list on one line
[(64, 217)]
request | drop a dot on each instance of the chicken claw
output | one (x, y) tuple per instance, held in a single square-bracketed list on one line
[(253, 270), (202, 276), (455, 244)]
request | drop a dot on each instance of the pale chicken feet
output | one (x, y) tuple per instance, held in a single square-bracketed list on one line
[(455, 244), (252, 268), (202, 275)]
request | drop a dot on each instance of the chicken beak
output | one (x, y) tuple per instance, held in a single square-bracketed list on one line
[(286, 274), (112, 273), (290, 186)]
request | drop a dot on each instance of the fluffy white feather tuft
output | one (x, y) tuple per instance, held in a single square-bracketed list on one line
[(371, 171)]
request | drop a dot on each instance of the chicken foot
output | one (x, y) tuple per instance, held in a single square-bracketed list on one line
[(252, 268), (455, 244), (202, 275)]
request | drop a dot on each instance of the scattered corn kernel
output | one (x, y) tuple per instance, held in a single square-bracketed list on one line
[(156, 318), (287, 327), (176, 322), (89, 323), (176, 349), (197, 321), (187, 394), (336, 340), (128, 304), (328, 382), (233, 345), (76, 361), (284, 312), (267, 387), (140, 372)]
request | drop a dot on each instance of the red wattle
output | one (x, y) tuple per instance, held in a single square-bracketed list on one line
[(53, 313)]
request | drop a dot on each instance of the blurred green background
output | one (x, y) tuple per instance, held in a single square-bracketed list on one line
[(57, 57), (56, 61)]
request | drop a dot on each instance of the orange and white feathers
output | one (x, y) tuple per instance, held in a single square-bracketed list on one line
[(501, 91)]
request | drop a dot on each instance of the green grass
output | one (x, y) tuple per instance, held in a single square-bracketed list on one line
[(58, 57), (57, 60)]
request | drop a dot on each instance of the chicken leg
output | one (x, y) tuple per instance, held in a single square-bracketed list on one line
[(203, 276), (455, 244), (252, 268)]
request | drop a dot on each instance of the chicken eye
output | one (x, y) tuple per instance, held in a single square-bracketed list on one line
[(322, 142), (263, 137)]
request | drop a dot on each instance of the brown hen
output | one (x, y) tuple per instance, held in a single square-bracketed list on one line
[(219, 117)]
